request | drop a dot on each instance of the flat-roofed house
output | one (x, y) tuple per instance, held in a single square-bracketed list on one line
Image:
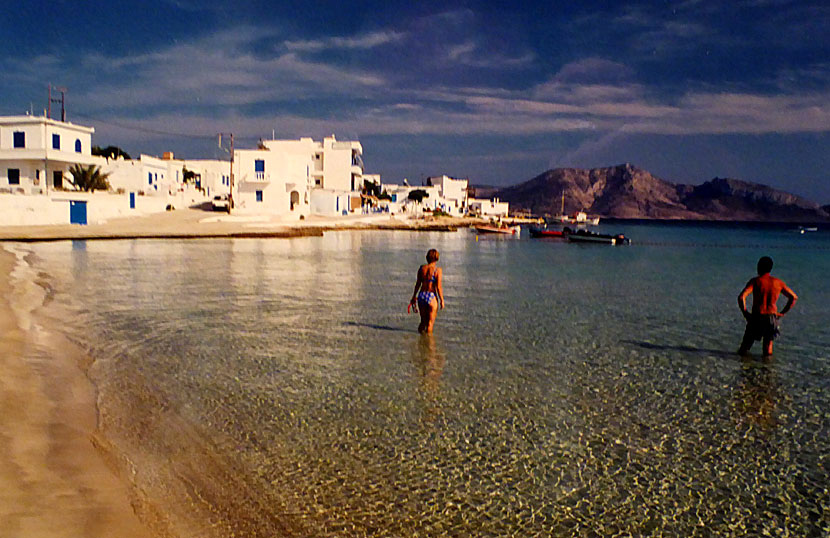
[(37, 152), (299, 177), (452, 194)]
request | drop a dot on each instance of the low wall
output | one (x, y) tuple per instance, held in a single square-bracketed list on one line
[(34, 210)]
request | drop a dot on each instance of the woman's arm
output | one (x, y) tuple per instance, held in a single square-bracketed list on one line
[(438, 278)]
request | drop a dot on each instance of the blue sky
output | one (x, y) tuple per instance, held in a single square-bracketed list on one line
[(494, 91)]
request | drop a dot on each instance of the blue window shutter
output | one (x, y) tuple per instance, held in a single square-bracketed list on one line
[(77, 146), (19, 139), (149, 178), (259, 165), (258, 196), (56, 141)]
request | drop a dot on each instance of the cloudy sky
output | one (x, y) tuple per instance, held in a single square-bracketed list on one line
[(499, 93)]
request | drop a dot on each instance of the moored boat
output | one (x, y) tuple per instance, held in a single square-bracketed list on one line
[(579, 218), (584, 236), (495, 229), (544, 232)]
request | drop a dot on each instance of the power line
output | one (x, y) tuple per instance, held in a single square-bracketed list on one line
[(156, 131)]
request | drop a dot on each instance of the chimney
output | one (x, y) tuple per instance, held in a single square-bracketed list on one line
[(167, 156)]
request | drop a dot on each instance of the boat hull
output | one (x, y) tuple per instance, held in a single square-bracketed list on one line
[(494, 230), (590, 237), (556, 234)]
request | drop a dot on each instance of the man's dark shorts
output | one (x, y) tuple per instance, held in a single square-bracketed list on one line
[(761, 326)]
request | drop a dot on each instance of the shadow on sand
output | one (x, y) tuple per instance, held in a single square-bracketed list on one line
[(685, 349), (379, 327)]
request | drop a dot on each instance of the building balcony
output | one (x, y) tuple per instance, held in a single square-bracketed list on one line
[(257, 177)]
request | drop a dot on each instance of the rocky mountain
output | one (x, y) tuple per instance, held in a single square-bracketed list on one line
[(625, 191)]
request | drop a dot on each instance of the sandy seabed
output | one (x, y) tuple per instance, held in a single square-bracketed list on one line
[(61, 475)]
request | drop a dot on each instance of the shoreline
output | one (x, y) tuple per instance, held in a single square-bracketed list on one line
[(57, 480), (194, 223)]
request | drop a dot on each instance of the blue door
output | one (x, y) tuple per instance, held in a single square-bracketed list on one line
[(132, 200), (77, 212)]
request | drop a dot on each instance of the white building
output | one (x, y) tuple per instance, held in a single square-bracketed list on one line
[(488, 208), (299, 177), (452, 194), (401, 203), (37, 152), (212, 176), (146, 175)]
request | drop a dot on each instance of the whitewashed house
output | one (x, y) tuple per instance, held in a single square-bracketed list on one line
[(452, 197), (299, 177), (337, 176), (401, 203), (488, 208), (145, 176), (211, 176), (36, 153)]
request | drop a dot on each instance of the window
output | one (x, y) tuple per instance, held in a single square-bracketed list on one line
[(14, 176), (77, 146), (149, 178), (258, 196), (56, 141), (259, 165), (19, 139)]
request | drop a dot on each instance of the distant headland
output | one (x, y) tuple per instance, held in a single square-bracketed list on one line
[(625, 191)]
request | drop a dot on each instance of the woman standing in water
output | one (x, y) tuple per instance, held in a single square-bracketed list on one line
[(428, 296)]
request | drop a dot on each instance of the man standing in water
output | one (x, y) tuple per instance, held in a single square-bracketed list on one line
[(762, 322)]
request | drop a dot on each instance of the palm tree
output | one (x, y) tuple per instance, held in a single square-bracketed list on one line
[(89, 178)]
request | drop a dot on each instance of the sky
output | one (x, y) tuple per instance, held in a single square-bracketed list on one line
[(497, 92)]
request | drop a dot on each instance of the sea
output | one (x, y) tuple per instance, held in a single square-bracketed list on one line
[(278, 387)]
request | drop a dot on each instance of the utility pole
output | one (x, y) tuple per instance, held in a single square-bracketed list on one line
[(230, 193), (62, 101)]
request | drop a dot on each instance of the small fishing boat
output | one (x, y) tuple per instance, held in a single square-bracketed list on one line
[(496, 229), (584, 236), (580, 218), (544, 232)]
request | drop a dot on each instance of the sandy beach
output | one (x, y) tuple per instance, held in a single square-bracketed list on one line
[(191, 223)]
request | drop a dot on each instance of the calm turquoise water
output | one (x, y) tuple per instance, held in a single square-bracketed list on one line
[(581, 390)]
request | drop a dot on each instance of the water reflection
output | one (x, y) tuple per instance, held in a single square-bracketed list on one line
[(756, 394), (429, 360)]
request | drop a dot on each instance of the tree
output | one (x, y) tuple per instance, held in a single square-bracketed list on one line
[(111, 152), (89, 178), (371, 188), (189, 176), (418, 195)]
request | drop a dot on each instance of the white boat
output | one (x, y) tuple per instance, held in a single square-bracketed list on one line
[(578, 218)]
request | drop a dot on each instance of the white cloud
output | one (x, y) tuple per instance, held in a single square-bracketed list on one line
[(364, 42)]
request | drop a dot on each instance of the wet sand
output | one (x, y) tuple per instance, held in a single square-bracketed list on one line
[(56, 483)]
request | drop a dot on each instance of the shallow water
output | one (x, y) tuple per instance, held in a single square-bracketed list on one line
[(568, 389)]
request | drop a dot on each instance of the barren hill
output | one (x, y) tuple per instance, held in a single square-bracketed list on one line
[(625, 191)]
